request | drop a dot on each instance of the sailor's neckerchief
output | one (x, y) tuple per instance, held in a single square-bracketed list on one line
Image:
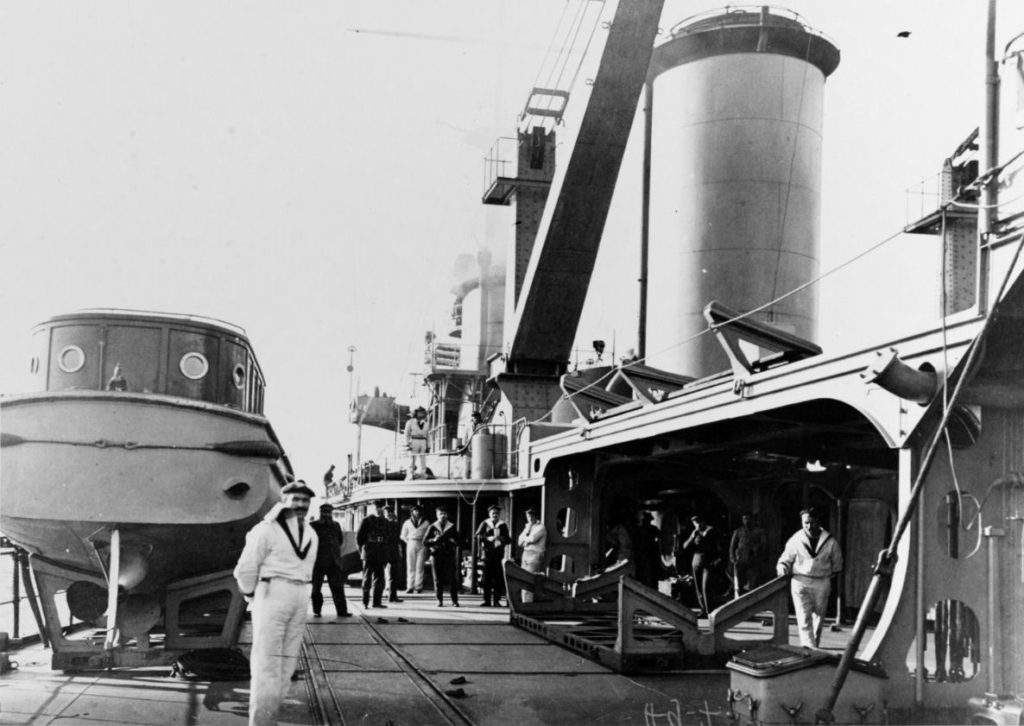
[(300, 552), (813, 545)]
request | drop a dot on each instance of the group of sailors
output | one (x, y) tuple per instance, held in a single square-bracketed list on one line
[(811, 557), (283, 554)]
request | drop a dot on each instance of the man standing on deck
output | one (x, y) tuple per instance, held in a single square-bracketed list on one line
[(371, 538), (328, 563), (393, 542), (746, 549), (414, 529), (443, 542), (812, 558), (492, 536), (416, 439), (534, 541), (272, 573)]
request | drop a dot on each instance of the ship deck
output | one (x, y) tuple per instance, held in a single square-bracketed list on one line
[(387, 666)]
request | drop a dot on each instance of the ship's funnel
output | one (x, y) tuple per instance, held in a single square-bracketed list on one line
[(736, 105)]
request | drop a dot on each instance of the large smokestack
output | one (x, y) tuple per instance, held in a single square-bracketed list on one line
[(735, 181)]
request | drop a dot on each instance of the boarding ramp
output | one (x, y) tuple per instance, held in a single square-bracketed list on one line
[(629, 627)]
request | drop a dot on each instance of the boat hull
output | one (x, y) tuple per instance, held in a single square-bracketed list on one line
[(179, 481)]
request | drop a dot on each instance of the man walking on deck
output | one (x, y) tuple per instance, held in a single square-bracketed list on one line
[(371, 538), (812, 558), (272, 573), (492, 536), (328, 563), (414, 529)]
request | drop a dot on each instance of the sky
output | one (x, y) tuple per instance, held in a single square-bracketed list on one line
[(310, 171)]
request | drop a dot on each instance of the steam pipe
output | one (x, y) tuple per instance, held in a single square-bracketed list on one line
[(919, 615), (896, 377), (995, 661)]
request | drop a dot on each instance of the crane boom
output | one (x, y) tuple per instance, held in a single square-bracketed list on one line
[(563, 258)]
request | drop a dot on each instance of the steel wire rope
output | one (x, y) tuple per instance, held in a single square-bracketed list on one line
[(551, 44), (578, 26), (741, 316), (558, 55), (586, 48), (561, 59)]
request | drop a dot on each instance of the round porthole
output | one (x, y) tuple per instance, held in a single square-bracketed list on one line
[(194, 366), (71, 359), (238, 376)]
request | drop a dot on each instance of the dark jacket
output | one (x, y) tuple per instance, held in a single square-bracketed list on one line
[(442, 543), (328, 554), (492, 548), (393, 538), (372, 539)]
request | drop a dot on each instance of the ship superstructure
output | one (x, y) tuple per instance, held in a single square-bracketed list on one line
[(908, 447)]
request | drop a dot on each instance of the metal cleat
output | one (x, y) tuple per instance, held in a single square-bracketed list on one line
[(863, 711), (792, 710)]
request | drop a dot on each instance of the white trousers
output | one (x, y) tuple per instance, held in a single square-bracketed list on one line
[(278, 622), (417, 453), (533, 561), (810, 598), (415, 561)]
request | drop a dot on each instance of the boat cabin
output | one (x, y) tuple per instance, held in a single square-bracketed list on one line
[(140, 352)]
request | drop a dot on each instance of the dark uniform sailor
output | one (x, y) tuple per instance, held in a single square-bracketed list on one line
[(393, 571), (442, 542), (328, 563), (373, 550), (492, 537), (272, 573)]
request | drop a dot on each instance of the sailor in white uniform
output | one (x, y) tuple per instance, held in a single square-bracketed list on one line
[(414, 529), (273, 572), (812, 558), (416, 439)]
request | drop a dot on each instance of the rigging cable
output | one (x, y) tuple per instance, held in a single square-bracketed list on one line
[(741, 316), (551, 44), (586, 48)]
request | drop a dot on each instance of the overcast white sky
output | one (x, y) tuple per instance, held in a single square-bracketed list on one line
[(263, 163)]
